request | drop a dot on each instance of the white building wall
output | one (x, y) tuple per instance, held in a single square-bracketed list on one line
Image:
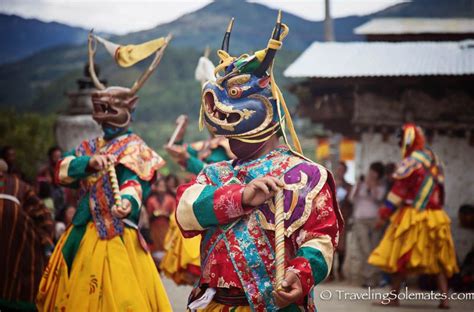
[(458, 158)]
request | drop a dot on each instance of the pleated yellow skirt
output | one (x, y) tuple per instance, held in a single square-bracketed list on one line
[(106, 275), (418, 242), (181, 261)]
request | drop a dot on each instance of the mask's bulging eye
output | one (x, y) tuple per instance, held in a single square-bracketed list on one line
[(263, 82), (235, 92)]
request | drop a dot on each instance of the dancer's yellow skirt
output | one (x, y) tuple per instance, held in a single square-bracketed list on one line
[(217, 307), (106, 275), (417, 242), (181, 261)]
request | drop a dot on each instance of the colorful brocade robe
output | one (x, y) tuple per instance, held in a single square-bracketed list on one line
[(237, 249), (136, 166), (206, 152), (418, 182)]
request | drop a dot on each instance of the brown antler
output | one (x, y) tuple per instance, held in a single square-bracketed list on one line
[(91, 49), (154, 64)]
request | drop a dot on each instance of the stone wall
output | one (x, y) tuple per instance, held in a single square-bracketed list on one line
[(458, 157)]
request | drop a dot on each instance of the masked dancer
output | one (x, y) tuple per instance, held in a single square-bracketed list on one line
[(102, 263), (182, 258), (269, 219), (418, 239)]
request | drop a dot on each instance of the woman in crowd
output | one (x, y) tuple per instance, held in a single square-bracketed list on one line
[(366, 198)]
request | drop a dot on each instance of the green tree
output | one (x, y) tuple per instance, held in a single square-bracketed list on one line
[(30, 134)]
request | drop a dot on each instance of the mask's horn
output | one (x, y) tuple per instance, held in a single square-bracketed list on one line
[(91, 49), (225, 41), (270, 55)]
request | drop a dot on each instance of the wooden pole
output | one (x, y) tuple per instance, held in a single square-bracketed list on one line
[(328, 27), (279, 239), (181, 121)]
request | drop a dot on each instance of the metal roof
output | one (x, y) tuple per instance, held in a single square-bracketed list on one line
[(372, 59), (398, 26)]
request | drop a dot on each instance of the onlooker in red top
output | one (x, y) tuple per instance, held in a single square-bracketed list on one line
[(159, 205)]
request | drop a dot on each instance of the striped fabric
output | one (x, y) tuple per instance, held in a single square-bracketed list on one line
[(201, 206), (319, 252), (132, 191), (392, 201), (25, 230), (71, 168), (426, 189)]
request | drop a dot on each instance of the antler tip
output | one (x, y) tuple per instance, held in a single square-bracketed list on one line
[(231, 24)]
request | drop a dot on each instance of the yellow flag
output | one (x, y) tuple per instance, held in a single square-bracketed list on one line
[(128, 55)]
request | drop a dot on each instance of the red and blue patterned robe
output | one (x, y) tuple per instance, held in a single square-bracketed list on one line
[(237, 249)]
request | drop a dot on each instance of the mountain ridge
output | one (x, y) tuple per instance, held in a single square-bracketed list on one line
[(38, 82), (23, 37)]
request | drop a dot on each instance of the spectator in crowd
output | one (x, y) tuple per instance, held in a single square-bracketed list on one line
[(159, 205), (172, 183), (44, 193), (389, 170), (9, 156), (45, 178), (25, 241), (465, 280), (181, 258), (343, 191), (389, 180), (366, 197), (63, 220)]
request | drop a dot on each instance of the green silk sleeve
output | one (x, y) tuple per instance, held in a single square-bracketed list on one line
[(134, 189)]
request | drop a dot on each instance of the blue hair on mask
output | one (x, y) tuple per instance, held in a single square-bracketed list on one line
[(111, 132)]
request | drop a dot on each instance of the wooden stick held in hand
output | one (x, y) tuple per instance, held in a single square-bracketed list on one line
[(279, 239), (180, 123)]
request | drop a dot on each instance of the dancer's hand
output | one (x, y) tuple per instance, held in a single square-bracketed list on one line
[(100, 162), (178, 152), (292, 290), (260, 190), (124, 210)]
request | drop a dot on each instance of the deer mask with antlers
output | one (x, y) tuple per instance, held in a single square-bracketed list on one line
[(113, 106)]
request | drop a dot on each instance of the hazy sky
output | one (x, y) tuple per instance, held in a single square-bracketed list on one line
[(122, 16)]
